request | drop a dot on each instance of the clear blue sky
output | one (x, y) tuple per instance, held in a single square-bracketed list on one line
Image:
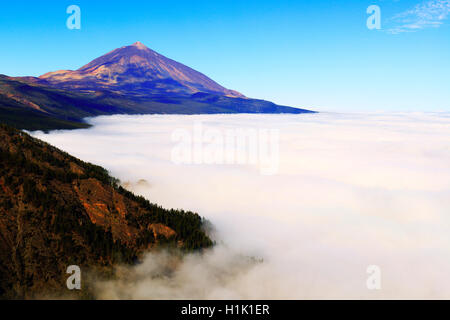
[(317, 54)]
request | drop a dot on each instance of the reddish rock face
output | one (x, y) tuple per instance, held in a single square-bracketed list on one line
[(138, 69)]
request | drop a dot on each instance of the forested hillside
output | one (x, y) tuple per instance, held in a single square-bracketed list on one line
[(56, 211)]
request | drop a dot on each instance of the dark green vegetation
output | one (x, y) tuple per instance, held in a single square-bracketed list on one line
[(56, 211), (34, 107), (32, 104), (34, 120)]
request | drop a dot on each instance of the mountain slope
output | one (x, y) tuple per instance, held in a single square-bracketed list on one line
[(137, 69), (28, 105), (128, 80), (56, 211)]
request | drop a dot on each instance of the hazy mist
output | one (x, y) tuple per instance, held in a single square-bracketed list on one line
[(350, 190)]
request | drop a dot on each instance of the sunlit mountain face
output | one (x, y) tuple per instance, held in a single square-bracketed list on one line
[(128, 80), (140, 70)]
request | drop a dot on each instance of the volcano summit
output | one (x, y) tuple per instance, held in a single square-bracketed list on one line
[(138, 69), (129, 80)]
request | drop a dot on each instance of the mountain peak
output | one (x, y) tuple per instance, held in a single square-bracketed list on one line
[(139, 45), (139, 70)]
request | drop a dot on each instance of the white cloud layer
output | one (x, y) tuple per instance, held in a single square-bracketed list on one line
[(352, 190), (431, 13)]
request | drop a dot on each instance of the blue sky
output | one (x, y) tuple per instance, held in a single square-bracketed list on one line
[(316, 54)]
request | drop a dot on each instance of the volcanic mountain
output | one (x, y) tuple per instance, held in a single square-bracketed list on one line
[(129, 80), (137, 69)]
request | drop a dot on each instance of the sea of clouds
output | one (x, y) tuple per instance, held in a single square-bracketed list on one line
[(350, 191)]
